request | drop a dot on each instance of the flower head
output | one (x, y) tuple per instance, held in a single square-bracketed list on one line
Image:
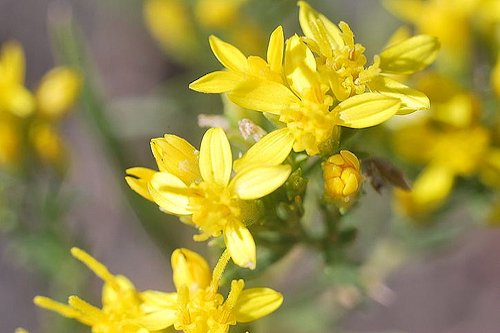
[(197, 306), (199, 186), (342, 177), (120, 302)]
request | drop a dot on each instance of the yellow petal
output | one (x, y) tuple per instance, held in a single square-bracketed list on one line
[(317, 27), (12, 63), (95, 266), (169, 192), (20, 101), (216, 161), (255, 183), (138, 179), (256, 303), (408, 10), (58, 91), (409, 56), (240, 244), (217, 82), (89, 313), (190, 269), (411, 99), (62, 309), (366, 110), (158, 320), (264, 96), (275, 50), (300, 66), (113, 293), (228, 55), (176, 156), (271, 150), (154, 300)]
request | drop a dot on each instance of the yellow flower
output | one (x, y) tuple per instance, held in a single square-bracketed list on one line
[(218, 13), (14, 97), (121, 303), (429, 191), (342, 177), (197, 307), (199, 186), (306, 108), (57, 92), (170, 24), (10, 140), (239, 68), (341, 62)]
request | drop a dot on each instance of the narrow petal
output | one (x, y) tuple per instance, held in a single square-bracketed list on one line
[(154, 300), (366, 110), (410, 55), (176, 156), (217, 82), (138, 179), (58, 91), (12, 62), (271, 150), (190, 269), (255, 183), (316, 26), (300, 66), (62, 309), (216, 161), (240, 244), (275, 50), (256, 303), (158, 320), (169, 192), (228, 55), (411, 99), (408, 10), (264, 96)]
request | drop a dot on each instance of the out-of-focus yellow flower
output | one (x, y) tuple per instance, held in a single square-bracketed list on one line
[(197, 307), (47, 142), (199, 186), (121, 303), (214, 14), (428, 192), (57, 92), (170, 23), (452, 21), (342, 178), (14, 97)]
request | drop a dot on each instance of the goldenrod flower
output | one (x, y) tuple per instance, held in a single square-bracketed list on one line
[(342, 177), (323, 83), (121, 303), (57, 92), (199, 186), (14, 97), (197, 307), (341, 62), (239, 68)]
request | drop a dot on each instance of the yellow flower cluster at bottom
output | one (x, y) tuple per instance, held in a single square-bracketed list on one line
[(196, 307)]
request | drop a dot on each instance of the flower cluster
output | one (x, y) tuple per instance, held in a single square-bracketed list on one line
[(29, 121)]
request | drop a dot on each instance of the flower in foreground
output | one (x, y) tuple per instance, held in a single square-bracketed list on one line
[(199, 186), (316, 83), (197, 307), (120, 302)]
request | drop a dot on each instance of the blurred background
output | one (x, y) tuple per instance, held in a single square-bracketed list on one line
[(135, 87)]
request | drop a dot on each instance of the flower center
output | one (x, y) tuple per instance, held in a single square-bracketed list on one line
[(310, 122), (214, 205)]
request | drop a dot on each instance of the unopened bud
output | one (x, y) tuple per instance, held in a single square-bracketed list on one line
[(342, 178)]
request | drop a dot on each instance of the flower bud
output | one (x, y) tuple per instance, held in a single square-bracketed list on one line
[(342, 178)]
